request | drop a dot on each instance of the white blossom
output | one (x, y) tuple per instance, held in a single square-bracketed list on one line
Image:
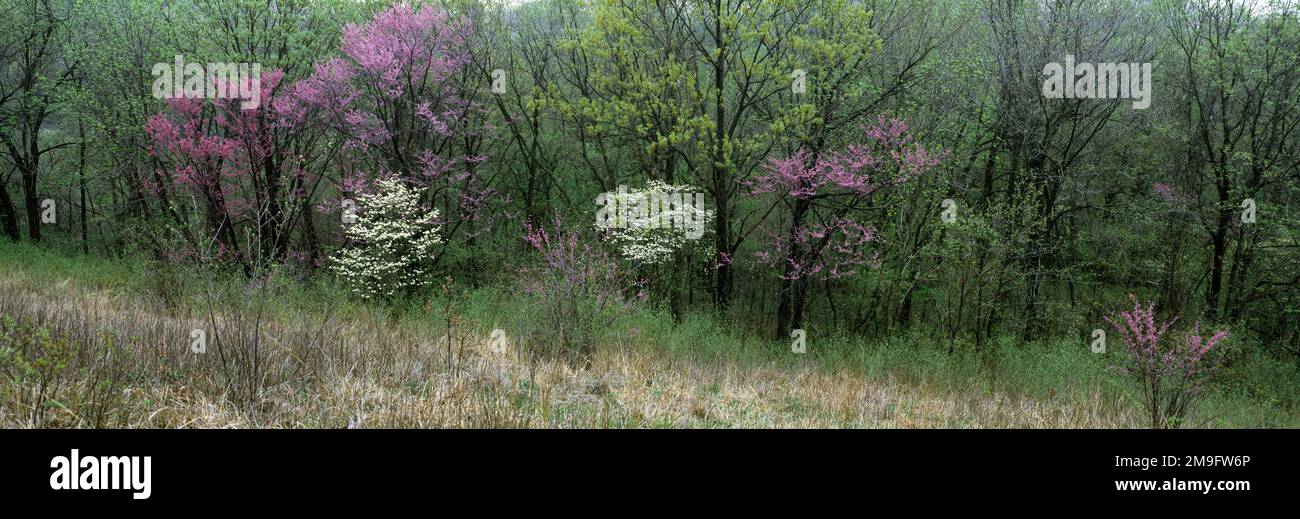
[(392, 243), (652, 236)]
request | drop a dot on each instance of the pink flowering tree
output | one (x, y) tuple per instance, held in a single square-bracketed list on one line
[(1171, 373), (244, 169), (822, 195), (394, 103)]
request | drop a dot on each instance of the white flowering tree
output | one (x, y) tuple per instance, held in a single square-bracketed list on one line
[(658, 230), (391, 244), (650, 226)]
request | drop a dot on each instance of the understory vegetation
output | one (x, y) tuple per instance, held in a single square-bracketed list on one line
[(112, 342)]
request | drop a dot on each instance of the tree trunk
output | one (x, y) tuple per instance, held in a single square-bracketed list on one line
[(721, 184), (1220, 239), (8, 214), (81, 183), (28, 172), (788, 309)]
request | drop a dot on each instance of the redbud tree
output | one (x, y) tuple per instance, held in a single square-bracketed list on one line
[(395, 103), (1170, 372), (578, 290), (823, 195), (245, 169)]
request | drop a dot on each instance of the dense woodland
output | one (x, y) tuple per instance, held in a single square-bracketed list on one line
[(825, 135)]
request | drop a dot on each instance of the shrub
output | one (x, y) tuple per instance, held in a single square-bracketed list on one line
[(578, 290), (32, 362), (1171, 374), (391, 243)]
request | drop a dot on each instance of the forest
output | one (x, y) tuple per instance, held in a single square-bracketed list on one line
[(650, 213)]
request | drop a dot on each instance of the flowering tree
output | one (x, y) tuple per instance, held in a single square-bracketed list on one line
[(661, 221), (1170, 373), (391, 243), (658, 230), (394, 98), (822, 193), (238, 163)]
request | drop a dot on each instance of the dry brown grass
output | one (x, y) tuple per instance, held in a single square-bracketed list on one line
[(318, 372)]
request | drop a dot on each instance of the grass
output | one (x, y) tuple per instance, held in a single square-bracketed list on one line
[(317, 359)]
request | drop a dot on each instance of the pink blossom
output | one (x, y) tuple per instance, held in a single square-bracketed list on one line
[(823, 238)]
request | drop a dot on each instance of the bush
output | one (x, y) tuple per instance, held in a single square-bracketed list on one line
[(31, 365), (578, 290), (391, 243), (1171, 374)]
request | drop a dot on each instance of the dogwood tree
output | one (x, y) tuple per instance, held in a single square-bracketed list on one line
[(391, 244), (650, 226)]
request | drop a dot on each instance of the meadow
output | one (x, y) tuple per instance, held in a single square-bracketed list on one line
[(112, 342)]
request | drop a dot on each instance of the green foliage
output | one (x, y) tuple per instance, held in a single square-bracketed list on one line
[(32, 363)]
